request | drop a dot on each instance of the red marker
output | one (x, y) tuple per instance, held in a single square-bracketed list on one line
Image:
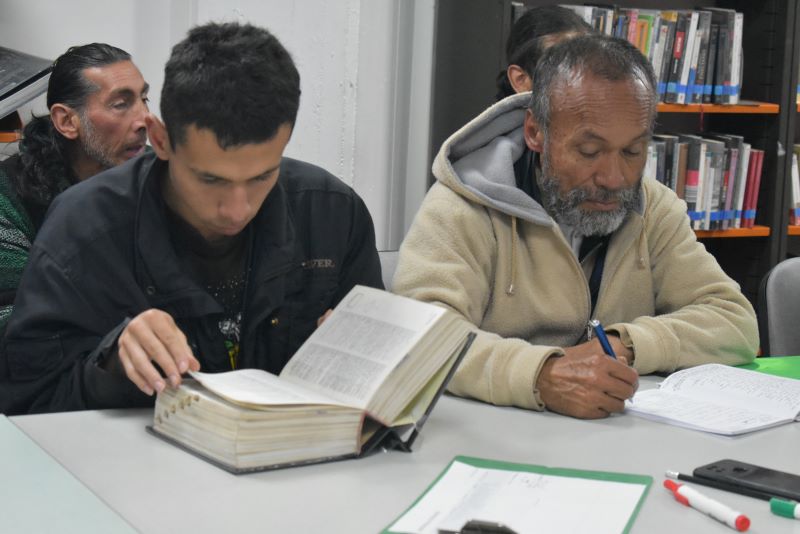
[(693, 498)]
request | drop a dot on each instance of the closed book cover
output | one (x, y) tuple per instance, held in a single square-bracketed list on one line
[(711, 64)]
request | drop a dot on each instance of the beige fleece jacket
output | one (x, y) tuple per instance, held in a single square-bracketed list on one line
[(481, 247)]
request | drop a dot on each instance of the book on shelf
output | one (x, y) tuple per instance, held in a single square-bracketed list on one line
[(23, 77), (713, 47), (677, 58), (367, 377), (696, 54), (669, 158), (682, 156), (727, 73), (714, 193), (698, 77), (695, 178), (688, 58), (523, 498), (663, 52), (713, 173), (737, 67), (755, 166), (744, 167), (794, 201), (732, 177), (720, 399)]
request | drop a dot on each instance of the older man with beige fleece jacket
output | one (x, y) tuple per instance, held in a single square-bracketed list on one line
[(540, 220)]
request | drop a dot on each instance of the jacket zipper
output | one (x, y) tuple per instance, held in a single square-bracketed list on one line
[(245, 301)]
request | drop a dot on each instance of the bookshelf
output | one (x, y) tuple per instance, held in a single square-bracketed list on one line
[(757, 108), (469, 53), (792, 248)]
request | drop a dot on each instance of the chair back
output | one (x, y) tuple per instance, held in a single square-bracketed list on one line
[(388, 265), (779, 310)]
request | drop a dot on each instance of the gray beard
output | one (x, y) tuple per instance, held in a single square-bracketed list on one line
[(566, 209), (93, 145)]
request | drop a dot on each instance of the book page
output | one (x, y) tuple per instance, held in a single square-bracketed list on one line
[(689, 412), (525, 502), (365, 338), (721, 399), (257, 387), (737, 387)]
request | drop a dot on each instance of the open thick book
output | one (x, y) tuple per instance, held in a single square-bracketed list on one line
[(720, 399), (369, 375)]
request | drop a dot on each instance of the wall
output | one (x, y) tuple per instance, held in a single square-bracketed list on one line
[(365, 69)]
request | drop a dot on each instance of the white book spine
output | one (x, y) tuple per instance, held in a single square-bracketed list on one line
[(688, 52), (744, 164), (736, 58), (795, 183)]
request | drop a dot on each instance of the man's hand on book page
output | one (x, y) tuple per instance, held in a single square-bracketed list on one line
[(586, 383), (152, 337)]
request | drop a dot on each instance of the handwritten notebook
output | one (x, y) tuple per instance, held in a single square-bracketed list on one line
[(720, 399), (525, 498)]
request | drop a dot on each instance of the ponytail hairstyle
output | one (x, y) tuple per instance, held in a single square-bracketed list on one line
[(44, 154)]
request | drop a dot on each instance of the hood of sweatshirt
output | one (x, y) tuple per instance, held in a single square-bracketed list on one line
[(478, 161)]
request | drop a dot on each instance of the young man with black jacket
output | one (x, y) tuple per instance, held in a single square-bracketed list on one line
[(213, 253)]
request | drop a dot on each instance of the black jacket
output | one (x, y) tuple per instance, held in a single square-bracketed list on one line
[(104, 255)]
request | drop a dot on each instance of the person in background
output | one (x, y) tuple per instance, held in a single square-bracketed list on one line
[(540, 221), (214, 252), (536, 30), (98, 102)]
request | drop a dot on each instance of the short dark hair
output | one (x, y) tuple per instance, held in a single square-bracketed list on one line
[(525, 44), (606, 57), (43, 151), (236, 80)]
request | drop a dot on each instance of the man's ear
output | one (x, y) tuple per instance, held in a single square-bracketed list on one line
[(518, 78), (159, 138), (534, 137), (65, 120)]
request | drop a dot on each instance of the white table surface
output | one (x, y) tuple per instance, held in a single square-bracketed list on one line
[(160, 488)]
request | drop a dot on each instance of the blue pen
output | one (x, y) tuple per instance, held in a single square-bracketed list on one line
[(601, 336)]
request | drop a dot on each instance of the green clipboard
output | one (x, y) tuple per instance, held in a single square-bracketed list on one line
[(786, 366), (644, 480)]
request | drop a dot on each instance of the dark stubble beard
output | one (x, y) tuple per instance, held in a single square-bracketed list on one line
[(566, 209)]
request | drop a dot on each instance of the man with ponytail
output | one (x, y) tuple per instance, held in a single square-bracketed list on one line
[(97, 102)]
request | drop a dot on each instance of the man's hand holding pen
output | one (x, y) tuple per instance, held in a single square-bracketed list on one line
[(586, 382)]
